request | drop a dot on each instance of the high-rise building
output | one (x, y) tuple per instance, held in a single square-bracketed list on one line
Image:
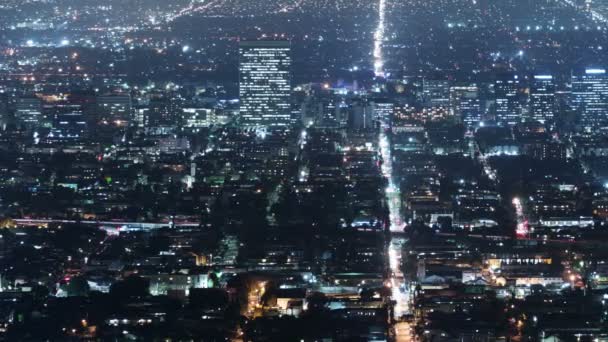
[(465, 104), (590, 97), (436, 93), (542, 98), (28, 112), (360, 117), (163, 116), (68, 123), (115, 109), (140, 118), (383, 112), (265, 84), (328, 113), (4, 113), (508, 111), (195, 119)]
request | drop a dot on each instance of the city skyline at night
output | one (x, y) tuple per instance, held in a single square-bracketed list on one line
[(304, 170)]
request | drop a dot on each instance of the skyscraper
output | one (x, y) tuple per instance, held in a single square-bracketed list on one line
[(265, 84), (115, 109), (68, 123), (465, 104), (29, 112), (383, 112), (507, 101), (194, 119), (163, 115), (69, 126), (542, 98), (590, 97), (436, 93)]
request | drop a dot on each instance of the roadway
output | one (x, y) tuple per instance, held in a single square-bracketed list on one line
[(400, 294), (400, 291), (379, 36), (126, 225)]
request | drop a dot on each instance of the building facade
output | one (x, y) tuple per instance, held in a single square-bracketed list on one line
[(590, 97), (265, 84), (542, 98)]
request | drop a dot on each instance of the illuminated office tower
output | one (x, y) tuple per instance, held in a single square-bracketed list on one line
[(195, 119), (542, 98), (69, 126), (163, 115), (28, 112), (465, 104), (68, 123), (383, 112), (508, 111), (436, 93), (590, 97), (265, 84), (115, 109), (328, 112)]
